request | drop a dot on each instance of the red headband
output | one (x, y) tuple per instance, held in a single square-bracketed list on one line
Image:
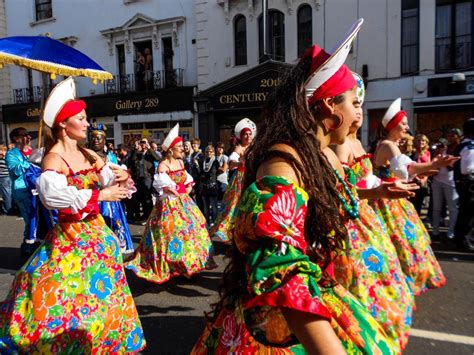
[(395, 120), (175, 141), (69, 109), (246, 129), (337, 84)]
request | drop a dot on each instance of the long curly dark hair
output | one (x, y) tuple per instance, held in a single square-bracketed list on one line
[(287, 118)]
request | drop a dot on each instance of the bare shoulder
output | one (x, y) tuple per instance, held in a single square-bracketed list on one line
[(99, 161), (389, 148), (239, 149), (163, 167), (342, 151), (94, 154), (280, 167), (53, 161), (386, 150)]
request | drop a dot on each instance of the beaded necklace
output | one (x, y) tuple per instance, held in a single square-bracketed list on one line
[(353, 209)]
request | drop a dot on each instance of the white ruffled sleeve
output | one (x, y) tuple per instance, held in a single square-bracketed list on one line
[(372, 181), (160, 181), (189, 180), (234, 157), (399, 166), (107, 176), (55, 193)]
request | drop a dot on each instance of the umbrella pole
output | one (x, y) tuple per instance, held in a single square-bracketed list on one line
[(44, 95)]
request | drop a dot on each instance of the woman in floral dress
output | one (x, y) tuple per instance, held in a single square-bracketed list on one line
[(245, 130), (72, 296), (278, 293), (403, 224), (176, 241), (370, 269)]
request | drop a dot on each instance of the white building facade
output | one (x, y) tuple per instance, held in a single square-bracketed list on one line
[(148, 45), (419, 50), (5, 88)]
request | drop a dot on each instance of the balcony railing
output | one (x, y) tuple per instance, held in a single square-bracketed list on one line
[(27, 95), (147, 81)]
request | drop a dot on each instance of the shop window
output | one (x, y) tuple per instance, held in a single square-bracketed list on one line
[(453, 35), (410, 36), (275, 35), (305, 28), (240, 40), (43, 9)]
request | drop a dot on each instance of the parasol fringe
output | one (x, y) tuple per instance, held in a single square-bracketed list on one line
[(52, 68)]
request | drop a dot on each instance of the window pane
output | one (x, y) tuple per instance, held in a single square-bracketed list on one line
[(409, 4), (410, 31), (44, 9), (240, 37), (443, 37), (443, 53), (463, 19), (305, 30), (410, 37), (276, 35), (463, 35), (463, 52), (443, 21), (409, 59)]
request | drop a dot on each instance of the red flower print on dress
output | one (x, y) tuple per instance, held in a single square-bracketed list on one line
[(232, 334), (281, 220)]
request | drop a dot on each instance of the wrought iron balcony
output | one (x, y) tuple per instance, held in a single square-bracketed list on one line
[(27, 95), (146, 81)]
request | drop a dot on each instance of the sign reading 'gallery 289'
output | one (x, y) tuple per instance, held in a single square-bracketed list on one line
[(133, 103)]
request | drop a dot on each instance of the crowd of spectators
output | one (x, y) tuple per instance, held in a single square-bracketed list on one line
[(208, 169), (439, 193)]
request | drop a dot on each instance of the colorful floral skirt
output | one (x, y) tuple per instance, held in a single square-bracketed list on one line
[(115, 218), (371, 271), (72, 296), (358, 332), (225, 219), (176, 241), (412, 242)]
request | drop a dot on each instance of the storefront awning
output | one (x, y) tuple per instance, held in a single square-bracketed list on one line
[(156, 117), (458, 103)]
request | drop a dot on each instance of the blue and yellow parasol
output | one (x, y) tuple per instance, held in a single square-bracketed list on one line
[(51, 56)]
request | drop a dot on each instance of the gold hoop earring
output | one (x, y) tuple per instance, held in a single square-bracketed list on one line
[(340, 117), (331, 127)]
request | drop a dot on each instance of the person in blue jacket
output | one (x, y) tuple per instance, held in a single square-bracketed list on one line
[(17, 164), (112, 212)]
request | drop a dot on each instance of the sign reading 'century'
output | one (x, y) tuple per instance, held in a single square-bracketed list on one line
[(250, 93)]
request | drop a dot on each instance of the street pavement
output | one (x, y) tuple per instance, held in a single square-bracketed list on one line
[(172, 313)]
